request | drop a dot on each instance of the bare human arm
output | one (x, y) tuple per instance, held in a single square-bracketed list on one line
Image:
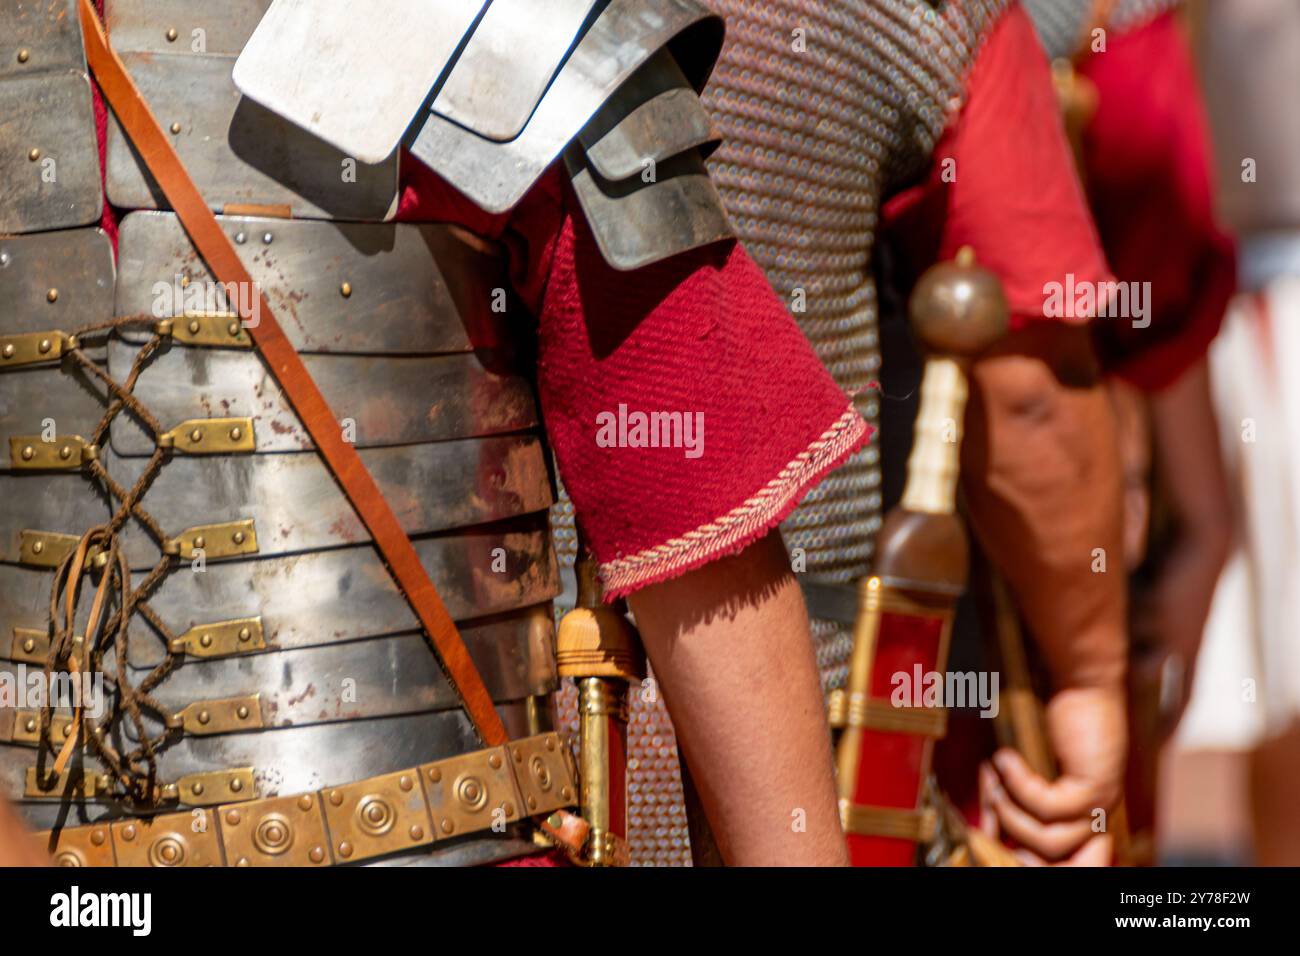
[(1045, 491), (730, 645)]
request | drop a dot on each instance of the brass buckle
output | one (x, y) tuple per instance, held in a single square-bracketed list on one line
[(225, 715), (217, 329), (377, 816), (31, 348), (282, 831), (221, 639), (210, 436), (225, 540), (34, 453)]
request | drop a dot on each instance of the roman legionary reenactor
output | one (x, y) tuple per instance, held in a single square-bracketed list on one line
[(1134, 109), (278, 464), (861, 143)]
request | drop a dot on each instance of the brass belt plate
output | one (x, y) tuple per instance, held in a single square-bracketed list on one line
[(544, 770), (45, 549), (80, 846), (30, 348), (212, 787), (33, 453), (216, 329), (227, 715), (221, 639), (31, 646), (377, 816), (168, 840), (210, 436), (471, 792), (216, 540), (285, 831)]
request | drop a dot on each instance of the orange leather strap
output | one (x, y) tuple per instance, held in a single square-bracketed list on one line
[(217, 250)]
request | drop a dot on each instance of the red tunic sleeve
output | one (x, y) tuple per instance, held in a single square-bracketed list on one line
[(1147, 157), (1003, 182), (687, 412)]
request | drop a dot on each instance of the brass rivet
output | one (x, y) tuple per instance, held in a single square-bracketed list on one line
[(509, 808), (240, 238), (550, 743), (204, 717), (200, 541), (532, 803), (196, 434), (242, 712), (28, 453), (336, 798), (345, 849), (245, 633), (447, 825), (267, 238), (30, 725), (238, 537), (317, 854), (197, 788), (176, 127), (52, 296), (9, 350), (45, 344), (185, 282), (232, 818), (566, 793), (67, 730), (519, 755), (242, 861), (171, 35), (206, 640), (24, 55), (236, 785), (97, 837), (304, 802), (435, 774), (233, 328), (33, 154), (194, 327), (65, 452), (128, 832), (495, 761), (346, 289), (236, 433), (38, 547), (417, 833), (404, 782), (29, 645)]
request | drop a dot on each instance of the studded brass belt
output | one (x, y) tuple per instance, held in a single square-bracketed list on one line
[(469, 793)]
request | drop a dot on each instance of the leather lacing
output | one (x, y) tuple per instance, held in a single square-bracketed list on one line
[(134, 771)]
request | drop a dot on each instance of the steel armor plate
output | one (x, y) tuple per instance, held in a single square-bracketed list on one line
[(335, 287), (55, 280), (182, 26), (49, 158), (239, 152), (377, 400), (47, 30), (354, 81)]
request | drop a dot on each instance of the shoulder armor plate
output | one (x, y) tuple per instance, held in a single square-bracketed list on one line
[(491, 95)]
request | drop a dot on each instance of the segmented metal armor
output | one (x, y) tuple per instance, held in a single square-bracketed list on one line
[(1063, 26), (264, 674)]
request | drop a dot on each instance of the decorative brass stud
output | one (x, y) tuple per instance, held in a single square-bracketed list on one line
[(336, 798), (267, 238), (24, 55), (232, 817), (346, 289), (204, 717), (51, 296), (97, 837), (38, 547), (317, 854), (171, 35), (194, 327), (242, 712), (9, 350), (237, 537), (65, 452), (45, 344), (196, 435), (417, 833), (232, 329), (128, 832), (29, 453), (176, 127), (33, 154), (435, 774), (305, 802), (236, 785), (405, 782), (30, 725), (495, 761), (28, 646), (448, 826), (200, 541), (236, 433), (206, 640), (198, 788), (244, 635), (345, 849)]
